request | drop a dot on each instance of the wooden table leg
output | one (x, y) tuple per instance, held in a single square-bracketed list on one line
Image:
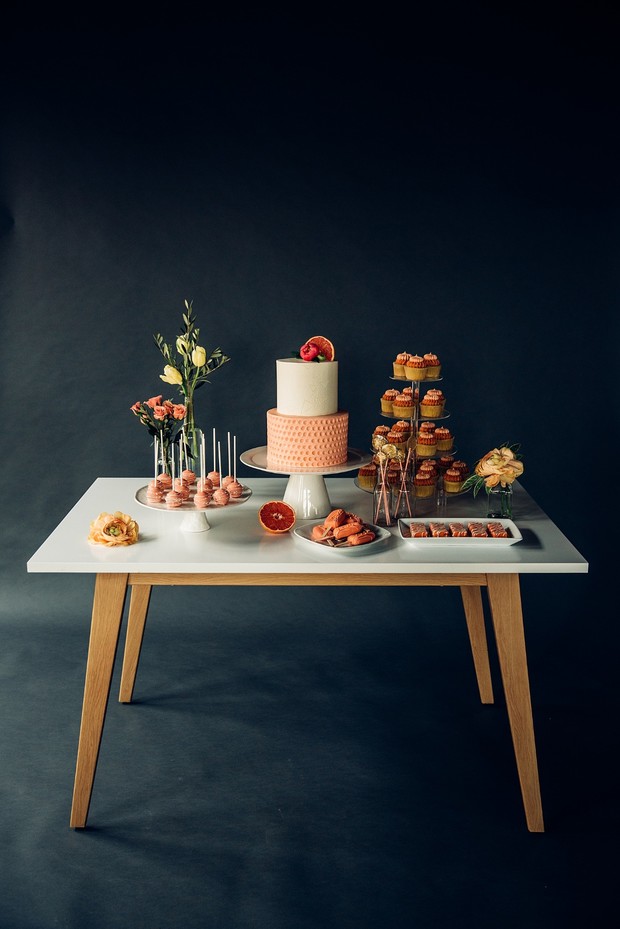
[(474, 616), (108, 603), (505, 600), (138, 607)]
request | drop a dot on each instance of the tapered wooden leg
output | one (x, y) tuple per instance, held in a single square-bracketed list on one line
[(474, 616), (108, 603), (136, 622), (505, 599)]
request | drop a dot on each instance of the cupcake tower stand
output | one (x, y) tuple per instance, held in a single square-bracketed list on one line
[(306, 491), (415, 419)]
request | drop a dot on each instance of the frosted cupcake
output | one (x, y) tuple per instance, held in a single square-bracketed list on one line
[(402, 405), (432, 403), (445, 439), (426, 445), (415, 369), (367, 476), (424, 484), (433, 365), (387, 400), (452, 481), (399, 364), (397, 439)]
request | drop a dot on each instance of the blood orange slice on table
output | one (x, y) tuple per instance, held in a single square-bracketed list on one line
[(276, 516), (325, 347)]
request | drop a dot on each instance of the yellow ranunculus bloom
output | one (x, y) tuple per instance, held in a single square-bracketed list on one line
[(171, 375), (199, 356), (113, 529)]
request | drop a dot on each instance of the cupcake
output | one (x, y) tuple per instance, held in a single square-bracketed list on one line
[(461, 467), (445, 462), (424, 484), (426, 445), (432, 403), (399, 364), (403, 427), (381, 430), (387, 399), (415, 368), (433, 366), (452, 481), (444, 438), (367, 476), (398, 439), (402, 406)]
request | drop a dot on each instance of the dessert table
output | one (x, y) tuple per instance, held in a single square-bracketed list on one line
[(238, 551)]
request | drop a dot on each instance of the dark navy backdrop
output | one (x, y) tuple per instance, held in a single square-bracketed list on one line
[(446, 183)]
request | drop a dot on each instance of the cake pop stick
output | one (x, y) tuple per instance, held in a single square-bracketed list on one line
[(155, 457), (235, 457), (229, 471), (219, 457)]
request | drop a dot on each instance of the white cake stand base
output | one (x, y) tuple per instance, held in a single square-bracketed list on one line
[(307, 494), (195, 522), (306, 491)]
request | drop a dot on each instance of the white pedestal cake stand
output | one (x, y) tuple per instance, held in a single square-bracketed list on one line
[(306, 491), (194, 520)]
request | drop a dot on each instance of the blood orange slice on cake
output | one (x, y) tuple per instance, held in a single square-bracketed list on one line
[(276, 516), (325, 347)]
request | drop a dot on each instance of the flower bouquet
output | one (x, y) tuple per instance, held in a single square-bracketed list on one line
[(188, 367), (163, 420), (496, 472)]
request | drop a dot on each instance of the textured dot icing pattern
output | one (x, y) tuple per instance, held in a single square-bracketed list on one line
[(298, 442)]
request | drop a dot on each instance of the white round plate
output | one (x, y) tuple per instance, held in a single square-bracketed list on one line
[(304, 534)]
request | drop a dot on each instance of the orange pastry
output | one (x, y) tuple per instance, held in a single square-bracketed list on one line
[(423, 484), (415, 369), (402, 405), (452, 481), (433, 365), (444, 438), (399, 364), (336, 518), (426, 445), (387, 399)]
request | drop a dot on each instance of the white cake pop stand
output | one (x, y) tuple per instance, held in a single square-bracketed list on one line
[(194, 520), (306, 491)]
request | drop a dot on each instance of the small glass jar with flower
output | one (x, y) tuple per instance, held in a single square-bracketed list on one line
[(496, 473)]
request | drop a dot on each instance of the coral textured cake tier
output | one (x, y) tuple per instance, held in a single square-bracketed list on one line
[(306, 430)]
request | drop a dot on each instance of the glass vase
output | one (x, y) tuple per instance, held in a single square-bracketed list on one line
[(499, 502), (192, 435), (382, 499)]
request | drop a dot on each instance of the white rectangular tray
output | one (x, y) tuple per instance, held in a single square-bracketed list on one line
[(489, 542)]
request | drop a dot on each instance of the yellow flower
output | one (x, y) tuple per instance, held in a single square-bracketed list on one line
[(499, 466), (113, 529), (182, 346), (199, 356), (171, 375)]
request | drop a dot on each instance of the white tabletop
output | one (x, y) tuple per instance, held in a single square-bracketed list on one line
[(236, 543)]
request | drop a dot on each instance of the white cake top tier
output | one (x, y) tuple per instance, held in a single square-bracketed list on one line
[(306, 388)]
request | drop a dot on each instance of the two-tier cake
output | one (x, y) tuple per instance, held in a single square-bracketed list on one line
[(306, 430)]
